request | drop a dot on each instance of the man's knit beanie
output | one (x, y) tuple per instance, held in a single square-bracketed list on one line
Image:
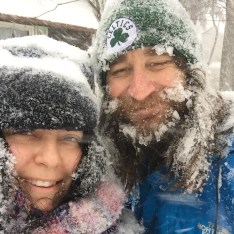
[(131, 24), (44, 86)]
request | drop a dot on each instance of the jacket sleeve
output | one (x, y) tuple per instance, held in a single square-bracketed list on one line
[(227, 184)]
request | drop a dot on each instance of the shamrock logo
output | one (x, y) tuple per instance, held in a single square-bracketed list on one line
[(119, 36)]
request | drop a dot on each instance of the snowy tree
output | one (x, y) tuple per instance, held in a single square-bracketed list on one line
[(227, 68), (200, 9), (218, 10)]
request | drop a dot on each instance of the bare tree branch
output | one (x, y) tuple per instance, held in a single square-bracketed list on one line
[(59, 4), (97, 6)]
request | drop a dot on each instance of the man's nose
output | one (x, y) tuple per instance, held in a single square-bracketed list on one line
[(48, 154), (141, 86)]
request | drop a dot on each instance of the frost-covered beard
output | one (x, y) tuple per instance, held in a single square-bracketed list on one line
[(149, 120), (186, 145)]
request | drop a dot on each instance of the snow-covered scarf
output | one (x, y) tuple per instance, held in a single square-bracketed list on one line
[(94, 214), (97, 213)]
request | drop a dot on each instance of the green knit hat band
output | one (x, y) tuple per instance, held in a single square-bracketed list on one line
[(136, 23)]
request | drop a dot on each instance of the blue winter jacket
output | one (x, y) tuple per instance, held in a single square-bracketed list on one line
[(208, 212)]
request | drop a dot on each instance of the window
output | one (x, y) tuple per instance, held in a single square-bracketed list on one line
[(10, 30)]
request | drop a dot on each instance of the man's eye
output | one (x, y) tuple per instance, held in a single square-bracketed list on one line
[(119, 72)]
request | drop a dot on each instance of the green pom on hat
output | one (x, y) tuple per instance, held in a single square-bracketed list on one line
[(131, 24)]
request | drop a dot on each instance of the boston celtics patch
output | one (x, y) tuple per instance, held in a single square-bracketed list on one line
[(121, 34)]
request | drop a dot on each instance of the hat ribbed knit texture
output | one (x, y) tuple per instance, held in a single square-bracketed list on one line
[(130, 24)]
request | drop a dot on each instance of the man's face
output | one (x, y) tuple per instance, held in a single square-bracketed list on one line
[(139, 80)]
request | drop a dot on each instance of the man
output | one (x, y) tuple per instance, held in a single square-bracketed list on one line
[(171, 131)]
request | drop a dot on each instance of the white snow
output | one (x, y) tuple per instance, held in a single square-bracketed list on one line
[(230, 175), (161, 50), (52, 63), (62, 59), (177, 93)]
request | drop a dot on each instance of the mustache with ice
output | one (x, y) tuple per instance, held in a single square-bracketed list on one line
[(171, 102)]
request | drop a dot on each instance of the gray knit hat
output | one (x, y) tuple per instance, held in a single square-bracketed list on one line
[(130, 24), (43, 85)]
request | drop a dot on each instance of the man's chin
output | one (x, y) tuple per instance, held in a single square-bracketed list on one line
[(144, 133), (147, 126), (149, 122)]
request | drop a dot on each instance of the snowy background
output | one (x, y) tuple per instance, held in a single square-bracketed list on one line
[(80, 13)]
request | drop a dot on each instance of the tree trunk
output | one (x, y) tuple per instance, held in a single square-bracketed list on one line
[(227, 65), (216, 36)]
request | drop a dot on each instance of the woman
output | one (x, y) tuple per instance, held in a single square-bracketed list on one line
[(53, 170)]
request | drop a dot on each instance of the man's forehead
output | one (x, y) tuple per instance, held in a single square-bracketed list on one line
[(147, 51), (121, 58)]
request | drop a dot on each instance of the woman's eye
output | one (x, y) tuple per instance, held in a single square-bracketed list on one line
[(75, 139)]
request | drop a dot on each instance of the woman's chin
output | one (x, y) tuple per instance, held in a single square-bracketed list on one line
[(44, 198)]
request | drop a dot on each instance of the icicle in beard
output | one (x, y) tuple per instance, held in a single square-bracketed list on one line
[(141, 143)]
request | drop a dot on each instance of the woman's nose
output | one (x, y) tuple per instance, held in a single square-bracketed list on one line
[(48, 154)]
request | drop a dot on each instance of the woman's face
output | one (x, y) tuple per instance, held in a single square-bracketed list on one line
[(45, 161)]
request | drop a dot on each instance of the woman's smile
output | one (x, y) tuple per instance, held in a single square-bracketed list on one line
[(46, 187), (41, 183)]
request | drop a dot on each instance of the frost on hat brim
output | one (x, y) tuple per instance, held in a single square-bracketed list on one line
[(32, 99)]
